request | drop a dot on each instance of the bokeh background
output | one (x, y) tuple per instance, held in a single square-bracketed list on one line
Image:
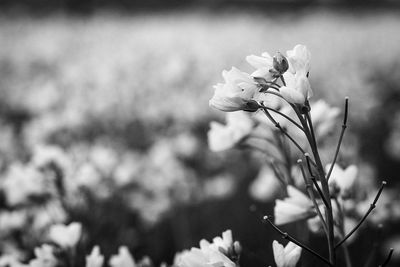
[(110, 100)]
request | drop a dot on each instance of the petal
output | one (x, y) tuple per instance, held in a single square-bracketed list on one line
[(292, 95)]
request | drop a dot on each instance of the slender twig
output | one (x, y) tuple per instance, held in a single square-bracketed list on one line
[(321, 194), (389, 256), (371, 207), (285, 116), (293, 240), (312, 196), (342, 232), (277, 125), (344, 126)]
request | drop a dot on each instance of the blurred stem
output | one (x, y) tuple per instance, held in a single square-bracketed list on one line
[(344, 126), (342, 232), (309, 132)]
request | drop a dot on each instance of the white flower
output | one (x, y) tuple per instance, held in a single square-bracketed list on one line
[(343, 178), (222, 137), (11, 220), (203, 257), (293, 208), (44, 257), (265, 186), (210, 254), (65, 236), (299, 59), (21, 182), (286, 256), (297, 89), (263, 65), (95, 259), (123, 259), (236, 93), (323, 117)]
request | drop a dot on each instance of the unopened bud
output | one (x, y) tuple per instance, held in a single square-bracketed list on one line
[(251, 106), (237, 247), (280, 63)]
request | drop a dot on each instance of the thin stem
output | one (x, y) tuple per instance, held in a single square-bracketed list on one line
[(371, 207), (285, 116), (293, 240), (389, 256), (321, 194), (277, 125), (342, 232), (344, 126), (312, 196)]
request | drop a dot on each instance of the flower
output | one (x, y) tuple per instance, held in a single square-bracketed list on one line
[(287, 256), (323, 117), (263, 65), (44, 257), (343, 179), (293, 208), (65, 236), (123, 259), (265, 186), (95, 259), (297, 89), (299, 59), (236, 93), (219, 253), (222, 137)]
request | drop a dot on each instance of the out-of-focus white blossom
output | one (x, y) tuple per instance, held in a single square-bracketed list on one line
[(23, 181), (287, 256), (262, 64), (217, 253), (44, 257), (235, 94), (95, 259), (297, 206), (65, 235), (324, 117), (266, 186), (122, 259), (12, 220), (343, 178), (222, 137)]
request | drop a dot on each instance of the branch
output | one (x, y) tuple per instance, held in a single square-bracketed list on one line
[(291, 239), (371, 207), (389, 256), (344, 126)]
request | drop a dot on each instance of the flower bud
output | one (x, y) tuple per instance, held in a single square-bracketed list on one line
[(251, 106), (280, 63)]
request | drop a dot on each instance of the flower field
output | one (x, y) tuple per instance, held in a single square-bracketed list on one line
[(104, 122)]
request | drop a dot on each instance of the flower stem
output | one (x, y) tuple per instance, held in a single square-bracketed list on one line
[(371, 207), (292, 239), (344, 126)]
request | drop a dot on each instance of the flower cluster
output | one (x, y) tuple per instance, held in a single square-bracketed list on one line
[(270, 111)]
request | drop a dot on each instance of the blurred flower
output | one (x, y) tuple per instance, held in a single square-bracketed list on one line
[(266, 186), (44, 257), (287, 256), (219, 187), (343, 179), (263, 65), (236, 93), (219, 253), (295, 207), (23, 181), (299, 59), (95, 259), (323, 117), (222, 137), (12, 220), (65, 235), (123, 259), (10, 261)]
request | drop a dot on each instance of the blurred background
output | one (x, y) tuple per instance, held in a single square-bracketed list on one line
[(104, 117)]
